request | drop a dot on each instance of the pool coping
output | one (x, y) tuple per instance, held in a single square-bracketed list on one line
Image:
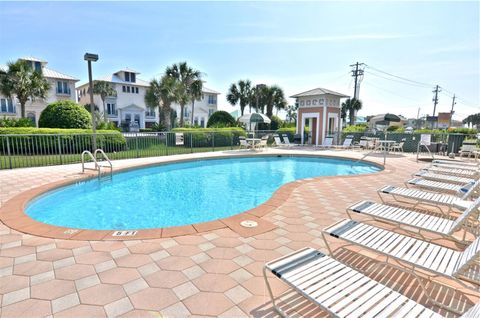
[(12, 212)]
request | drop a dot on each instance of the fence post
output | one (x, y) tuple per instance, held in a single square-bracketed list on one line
[(213, 141), (8, 153), (59, 149), (191, 142), (166, 143), (231, 140), (136, 144)]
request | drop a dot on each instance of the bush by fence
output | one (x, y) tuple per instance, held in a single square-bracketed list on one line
[(47, 141), (208, 137), (65, 114)]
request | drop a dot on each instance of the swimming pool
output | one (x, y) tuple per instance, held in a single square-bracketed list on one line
[(180, 193)]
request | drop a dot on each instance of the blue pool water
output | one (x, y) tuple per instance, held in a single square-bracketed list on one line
[(180, 193)]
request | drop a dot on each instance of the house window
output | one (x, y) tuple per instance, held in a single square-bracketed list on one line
[(308, 102), (195, 122), (128, 89), (31, 116), (6, 106), (132, 77), (63, 88), (210, 112), (136, 90), (314, 102), (302, 103), (202, 122), (127, 77), (111, 109), (38, 66), (150, 112), (320, 101), (124, 88), (212, 99)]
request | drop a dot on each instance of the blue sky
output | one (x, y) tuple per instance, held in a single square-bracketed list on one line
[(296, 45)]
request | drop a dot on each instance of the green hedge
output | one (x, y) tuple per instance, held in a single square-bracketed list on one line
[(207, 137), (56, 140)]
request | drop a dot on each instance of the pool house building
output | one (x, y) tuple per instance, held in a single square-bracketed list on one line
[(319, 110)]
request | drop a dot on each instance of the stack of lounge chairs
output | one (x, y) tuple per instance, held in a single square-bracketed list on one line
[(404, 231)]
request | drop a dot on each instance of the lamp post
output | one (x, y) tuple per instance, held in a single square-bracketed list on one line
[(89, 57)]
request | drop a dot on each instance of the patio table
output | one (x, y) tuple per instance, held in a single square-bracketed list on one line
[(253, 141)]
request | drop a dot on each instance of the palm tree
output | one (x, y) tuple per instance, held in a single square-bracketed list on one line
[(274, 98), (104, 89), (188, 82), (23, 81), (162, 93), (241, 93), (196, 94), (352, 106), (292, 113)]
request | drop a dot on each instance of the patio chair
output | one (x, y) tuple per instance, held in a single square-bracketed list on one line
[(438, 186), (286, 141), (436, 260), (263, 143), (442, 177), (362, 144), (327, 143), (341, 290), (468, 150), (417, 222), (434, 199), (243, 143), (453, 171), (347, 143), (398, 146)]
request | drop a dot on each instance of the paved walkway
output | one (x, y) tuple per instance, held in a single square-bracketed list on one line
[(216, 274)]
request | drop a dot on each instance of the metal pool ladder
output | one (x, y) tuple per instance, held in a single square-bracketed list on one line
[(98, 167)]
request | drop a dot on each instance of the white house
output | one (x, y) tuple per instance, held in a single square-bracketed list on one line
[(62, 88), (319, 109), (129, 106)]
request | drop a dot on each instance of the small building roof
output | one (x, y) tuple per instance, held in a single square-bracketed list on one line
[(127, 69), (118, 80), (31, 58), (47, 72), (210, 91), (319, 91)]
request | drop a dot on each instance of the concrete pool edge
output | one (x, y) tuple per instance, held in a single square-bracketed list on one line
[(12, 212)]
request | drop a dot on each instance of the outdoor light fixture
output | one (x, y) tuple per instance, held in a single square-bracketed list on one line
[(89, 57)]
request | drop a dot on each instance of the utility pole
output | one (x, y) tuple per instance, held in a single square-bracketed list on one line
[(418, 118), (435, 102), (356, 73), (451, 111)]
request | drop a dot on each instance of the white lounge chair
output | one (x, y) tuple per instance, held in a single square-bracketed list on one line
[(435, 259), (244, 144), (468, 150), (347, 143), (327, 143), (455, 166), (453, 171), (286, 141), (443, 177), (278, 141), (418, 222), (438, 186), (427, 198), (341, 290), (457, 162), (362, 144)]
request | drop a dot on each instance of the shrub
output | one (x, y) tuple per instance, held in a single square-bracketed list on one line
[(16, 122), (355, 128), (107, 125), (220, 119), (276, 123), (208, 137), (65, 114), (51, 141)]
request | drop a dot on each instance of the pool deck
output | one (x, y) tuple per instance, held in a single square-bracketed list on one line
[(214, 272)]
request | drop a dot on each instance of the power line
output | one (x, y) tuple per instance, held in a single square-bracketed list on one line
[(394, 80), (399, 77), (390, 92)]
